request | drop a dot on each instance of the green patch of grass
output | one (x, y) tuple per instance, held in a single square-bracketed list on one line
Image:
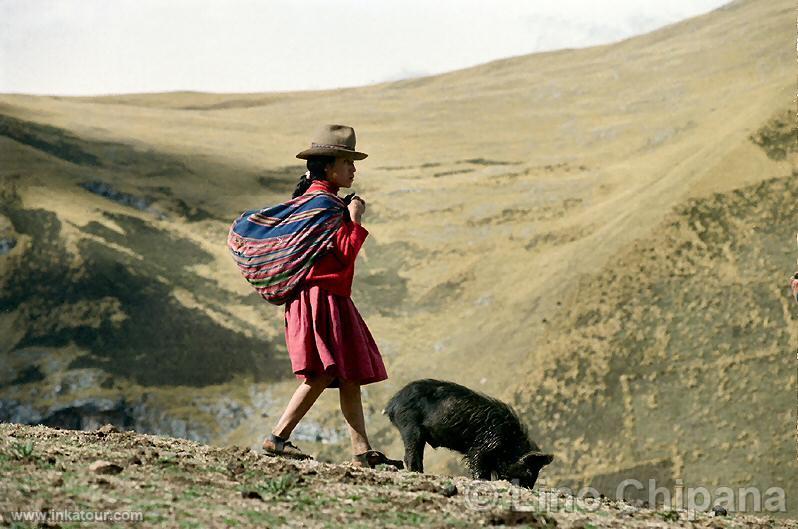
[(193, 492), (153, 506), (77, 489), (190, 524), (21, 525), (264, 519), (450, 521), (23, 451), (175, 470), (279, 486), (311, 502), (406, 518), (218, 469), (251, 474), (669, 516), (154, 517)]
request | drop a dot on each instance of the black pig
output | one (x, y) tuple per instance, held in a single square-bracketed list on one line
[(487, 431)]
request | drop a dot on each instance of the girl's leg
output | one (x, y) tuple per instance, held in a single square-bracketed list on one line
[(352, 408), (303, 398)]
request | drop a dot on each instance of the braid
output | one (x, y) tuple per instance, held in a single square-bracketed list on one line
[(302, 185), (316, 171)]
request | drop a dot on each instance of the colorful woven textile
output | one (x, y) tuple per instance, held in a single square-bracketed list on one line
[(274, 247)]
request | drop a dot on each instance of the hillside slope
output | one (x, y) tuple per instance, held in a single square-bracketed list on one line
[(178, 483)]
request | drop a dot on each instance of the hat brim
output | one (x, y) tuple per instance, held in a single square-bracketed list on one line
[(327, 151)]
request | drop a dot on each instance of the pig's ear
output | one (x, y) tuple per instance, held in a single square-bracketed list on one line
[(537, 459)]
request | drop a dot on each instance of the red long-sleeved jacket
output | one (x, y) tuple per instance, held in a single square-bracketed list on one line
[(334, 272)]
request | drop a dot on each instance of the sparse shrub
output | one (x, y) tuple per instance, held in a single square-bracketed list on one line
[(22, 451), (777, 137), (279, 486), (669, 516), (407, 518)]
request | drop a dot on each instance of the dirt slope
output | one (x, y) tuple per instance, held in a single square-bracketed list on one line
[(179, 483)]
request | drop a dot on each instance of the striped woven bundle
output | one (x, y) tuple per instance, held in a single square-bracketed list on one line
[(275, 247)]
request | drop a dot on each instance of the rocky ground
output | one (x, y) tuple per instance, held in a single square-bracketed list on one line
[(609, 255), (180, 483)]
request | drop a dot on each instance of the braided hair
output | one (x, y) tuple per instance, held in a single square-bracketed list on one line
[(316, 171)]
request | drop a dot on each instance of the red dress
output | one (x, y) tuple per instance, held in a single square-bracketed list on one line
[(324, 331)]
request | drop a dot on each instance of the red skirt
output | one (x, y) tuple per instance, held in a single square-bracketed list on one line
[(326, 334)]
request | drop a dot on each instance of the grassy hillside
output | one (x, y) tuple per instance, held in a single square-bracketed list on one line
[(601, 235), (681, 353)]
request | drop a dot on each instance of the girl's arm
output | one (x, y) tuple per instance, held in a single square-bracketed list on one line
[(348, 240)]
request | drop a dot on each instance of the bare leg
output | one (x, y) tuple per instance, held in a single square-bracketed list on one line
[(352, 408), (303, 398)]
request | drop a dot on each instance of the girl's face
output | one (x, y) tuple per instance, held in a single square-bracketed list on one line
[(341, 173)]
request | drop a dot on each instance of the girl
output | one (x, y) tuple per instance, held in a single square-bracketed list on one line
[(328, 342)]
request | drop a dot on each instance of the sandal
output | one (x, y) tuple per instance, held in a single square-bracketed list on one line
[(372, 458), (279, 447)]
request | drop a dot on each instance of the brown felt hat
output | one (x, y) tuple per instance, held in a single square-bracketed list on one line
[(333, 140)]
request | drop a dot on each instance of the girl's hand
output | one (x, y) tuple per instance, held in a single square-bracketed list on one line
[(356, 208)]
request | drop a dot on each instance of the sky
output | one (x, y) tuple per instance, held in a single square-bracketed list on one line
[(93, 47)]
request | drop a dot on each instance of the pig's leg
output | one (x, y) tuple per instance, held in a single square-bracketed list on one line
[(478, 464), (414, 448)]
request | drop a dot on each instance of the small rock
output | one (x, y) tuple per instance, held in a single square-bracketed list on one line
[(235, 467), (102, 482), (251, 495), (513, 517), (449, 490), (57, 482), (105, 467), (720, 510), (107, 429)]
